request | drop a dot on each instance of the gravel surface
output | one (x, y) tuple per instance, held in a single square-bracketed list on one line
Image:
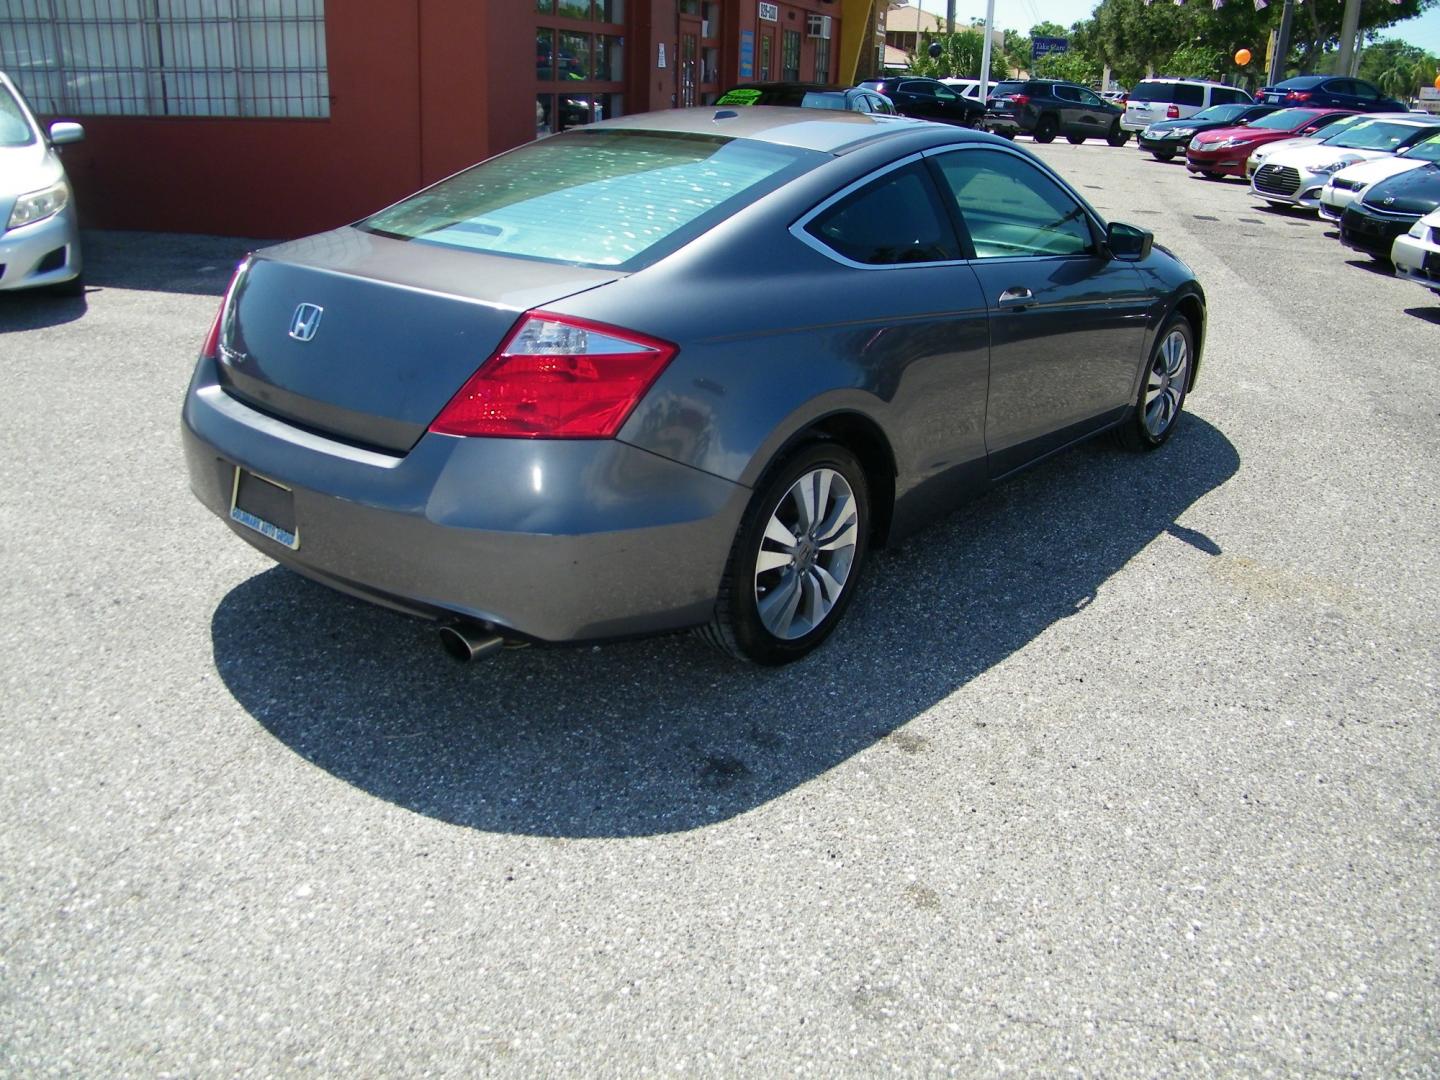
[(1128, 770)]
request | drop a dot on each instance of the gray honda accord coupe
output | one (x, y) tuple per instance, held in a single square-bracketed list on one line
[(683, 369)]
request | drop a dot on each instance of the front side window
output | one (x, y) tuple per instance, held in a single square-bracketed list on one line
[(1011, 208), (593, 198), (1089, 99), (892, 220), (14, 127)]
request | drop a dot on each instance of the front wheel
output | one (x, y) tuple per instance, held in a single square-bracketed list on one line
[(1045, 130), (1163, 155), (1075, 140), (1162, 390), (1210, 174), (1118, 136), (796, 558)]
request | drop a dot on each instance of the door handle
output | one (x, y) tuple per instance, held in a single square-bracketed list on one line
[(1017, 296)]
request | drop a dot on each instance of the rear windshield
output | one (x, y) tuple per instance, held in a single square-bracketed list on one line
[(596, 198), (791, 96), (1007, 88), (1376, 135), (1302, 82), (14, 127)]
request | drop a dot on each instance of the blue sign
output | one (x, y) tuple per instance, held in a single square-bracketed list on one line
[(1042, 46), (747, 54)]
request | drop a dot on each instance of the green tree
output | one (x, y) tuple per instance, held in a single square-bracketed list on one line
[(960, 56)]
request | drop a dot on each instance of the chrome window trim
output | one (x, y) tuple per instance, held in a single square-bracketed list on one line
[(799, 231)]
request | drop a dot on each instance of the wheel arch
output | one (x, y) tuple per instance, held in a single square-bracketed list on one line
[(863, 437), (1192, 307)]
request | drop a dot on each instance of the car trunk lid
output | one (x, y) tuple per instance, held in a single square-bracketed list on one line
[(365, 338)]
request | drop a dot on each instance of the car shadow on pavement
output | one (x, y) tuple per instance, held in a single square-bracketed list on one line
[(163, 262), (1425, 314), (662, 735), (35, 309)]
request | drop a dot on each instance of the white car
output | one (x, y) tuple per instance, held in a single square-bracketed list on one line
[(969, 88), (1329, 131), (39, 231), (1295, 177), (1416, 254), (1346, 185)]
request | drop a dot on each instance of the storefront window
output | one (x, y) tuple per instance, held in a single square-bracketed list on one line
[(574, 59), (609, 58), (545, 7), (610, 11), (822, 60), (560, 112), (790, 56), (574, 9), (544, 54)]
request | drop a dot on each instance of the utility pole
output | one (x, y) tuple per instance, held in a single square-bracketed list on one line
[(1348, 28), (985, 50), (1282, 45), (949, 16)]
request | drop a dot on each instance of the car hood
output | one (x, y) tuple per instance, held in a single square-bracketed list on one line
[(1377, 169), (1220, 134), (1312, 157), (1275, 146), (1414, 192), (24, 169)]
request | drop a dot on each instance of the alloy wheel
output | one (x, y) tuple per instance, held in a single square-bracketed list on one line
[(806, 554), (1166, 386)]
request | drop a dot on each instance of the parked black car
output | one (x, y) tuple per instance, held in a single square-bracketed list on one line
[(928, 99), (809, 96), (1165, 139), (1044, 108), (1388, 209), (1334, 90)]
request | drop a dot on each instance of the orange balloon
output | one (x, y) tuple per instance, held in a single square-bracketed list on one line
[(1437, 82), (1242, 57)]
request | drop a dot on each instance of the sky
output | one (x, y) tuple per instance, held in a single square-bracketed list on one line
[(1423, 30)]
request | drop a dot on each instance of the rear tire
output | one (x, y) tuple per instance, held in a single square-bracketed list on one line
[(1118, 136), (1163, 386), (796, 557), (1075, 140), (1046, 129)]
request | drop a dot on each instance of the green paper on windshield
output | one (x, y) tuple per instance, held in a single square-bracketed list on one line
[(739, 97)]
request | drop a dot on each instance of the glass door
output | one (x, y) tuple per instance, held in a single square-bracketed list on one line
[(689, 62)]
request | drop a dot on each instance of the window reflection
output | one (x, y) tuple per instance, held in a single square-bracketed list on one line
[(544, 54)]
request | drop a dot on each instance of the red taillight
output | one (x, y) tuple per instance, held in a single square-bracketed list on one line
[(211, 349), (556, 377), (1297, 95), (1172, 113), (1021, 99)]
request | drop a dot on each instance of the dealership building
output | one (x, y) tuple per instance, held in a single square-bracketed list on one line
[(275, 118)]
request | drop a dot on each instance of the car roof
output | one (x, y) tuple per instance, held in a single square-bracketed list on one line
[(808, 86), (1308, 80), (781, 125)]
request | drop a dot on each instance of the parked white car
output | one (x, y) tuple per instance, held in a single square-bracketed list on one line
[(39, 230), (1347, 185), (1295, 177), (1175, 99), (969, 88), (1329, 131), (1416, 254)]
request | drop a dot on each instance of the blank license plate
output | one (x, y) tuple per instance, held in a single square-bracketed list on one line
[(1432, 262), (265, 506)]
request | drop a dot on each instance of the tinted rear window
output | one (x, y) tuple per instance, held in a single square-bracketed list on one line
[(1189, 94), (597, 198), (1007, 88)]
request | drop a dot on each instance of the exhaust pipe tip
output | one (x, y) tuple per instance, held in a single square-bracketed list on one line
[(465, 643)]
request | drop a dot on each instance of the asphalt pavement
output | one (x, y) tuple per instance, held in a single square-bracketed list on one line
[(1128, 770)]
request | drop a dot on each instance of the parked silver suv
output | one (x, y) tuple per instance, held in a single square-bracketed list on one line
[(1175, 99)]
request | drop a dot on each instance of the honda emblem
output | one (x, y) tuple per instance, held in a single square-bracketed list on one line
[(306, 321)]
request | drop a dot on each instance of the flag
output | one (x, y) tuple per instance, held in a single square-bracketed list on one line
[(1261, 5)]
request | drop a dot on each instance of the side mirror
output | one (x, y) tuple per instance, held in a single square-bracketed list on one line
[(63, 131), (1127, 243)]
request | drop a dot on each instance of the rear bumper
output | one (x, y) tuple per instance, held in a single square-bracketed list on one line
[(995, 121), (557, 540), (44, 253)]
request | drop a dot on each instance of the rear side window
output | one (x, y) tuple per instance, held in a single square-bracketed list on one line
[(919, 89), (593, 198), (893, 219), (813, 100), (1189, 94), (1011, 208), (1154, 91)]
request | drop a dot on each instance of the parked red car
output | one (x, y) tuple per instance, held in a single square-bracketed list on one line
[(1222, 152)]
